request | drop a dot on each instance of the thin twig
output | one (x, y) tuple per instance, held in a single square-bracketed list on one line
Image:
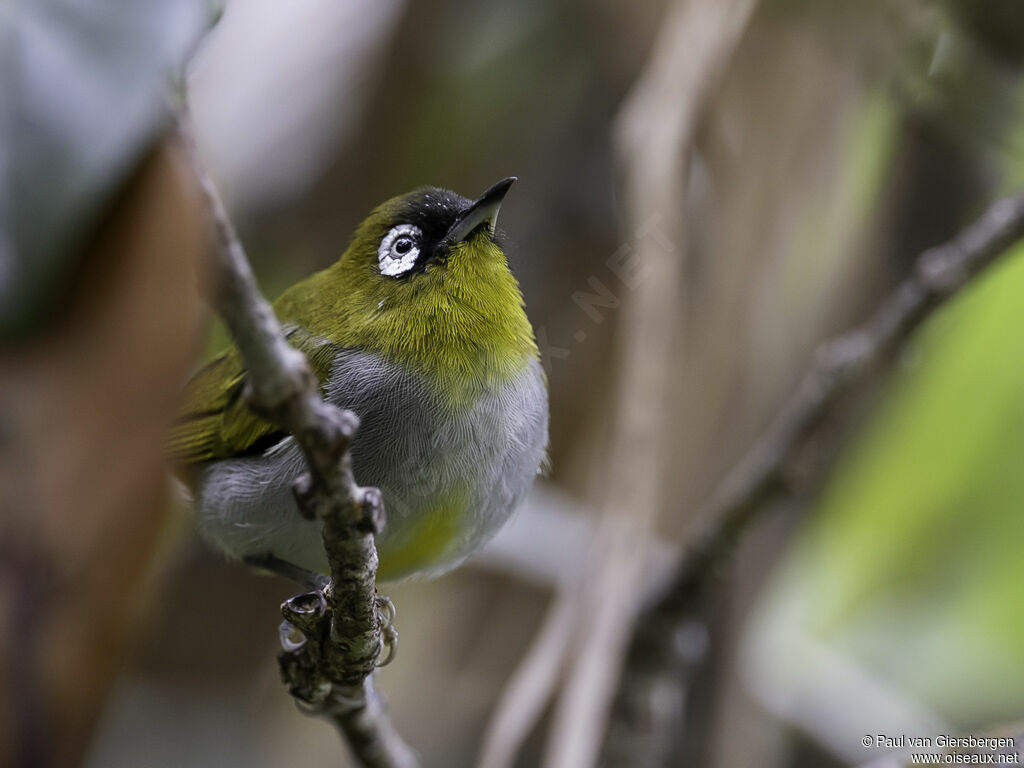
[(330, 669), (527, 692), (653, 664)]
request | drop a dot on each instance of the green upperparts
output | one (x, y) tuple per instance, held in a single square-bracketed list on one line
[(461, 322), (451, 311)]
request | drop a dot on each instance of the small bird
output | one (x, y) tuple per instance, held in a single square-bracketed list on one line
[(420, 329)]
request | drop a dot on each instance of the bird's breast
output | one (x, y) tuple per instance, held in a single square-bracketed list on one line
[(451, 469), (450, 472)]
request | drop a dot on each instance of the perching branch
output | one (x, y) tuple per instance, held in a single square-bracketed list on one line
[(655, 658), (328, 668)]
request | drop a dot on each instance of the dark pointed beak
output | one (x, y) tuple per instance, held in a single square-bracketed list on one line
[(483, 210)]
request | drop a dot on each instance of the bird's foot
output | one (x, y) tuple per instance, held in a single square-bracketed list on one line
[(388, 634), (293, 637)]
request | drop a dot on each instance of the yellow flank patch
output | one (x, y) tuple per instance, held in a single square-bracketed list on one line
[(426, 540)]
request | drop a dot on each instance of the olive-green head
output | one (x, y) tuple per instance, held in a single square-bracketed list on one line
[(425, 282)]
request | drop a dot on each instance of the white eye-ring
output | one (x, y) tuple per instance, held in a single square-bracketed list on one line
[(399, 250)]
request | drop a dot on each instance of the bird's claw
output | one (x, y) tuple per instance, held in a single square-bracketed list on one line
[(292, 638), (388, 634)]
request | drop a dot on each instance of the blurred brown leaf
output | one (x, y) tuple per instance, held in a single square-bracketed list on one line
[(83, 413)]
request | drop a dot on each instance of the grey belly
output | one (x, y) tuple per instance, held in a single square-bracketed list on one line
[(450, 476)]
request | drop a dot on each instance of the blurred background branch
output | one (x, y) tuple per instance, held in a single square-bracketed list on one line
[(659, 663), (655, 131)]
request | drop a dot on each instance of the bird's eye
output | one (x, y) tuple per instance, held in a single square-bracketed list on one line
[(399, 250)]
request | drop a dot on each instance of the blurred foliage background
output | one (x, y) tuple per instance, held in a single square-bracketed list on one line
[(845, 138)]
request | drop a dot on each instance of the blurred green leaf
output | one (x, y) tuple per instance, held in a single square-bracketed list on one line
[(83, 95), (914, 565)]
